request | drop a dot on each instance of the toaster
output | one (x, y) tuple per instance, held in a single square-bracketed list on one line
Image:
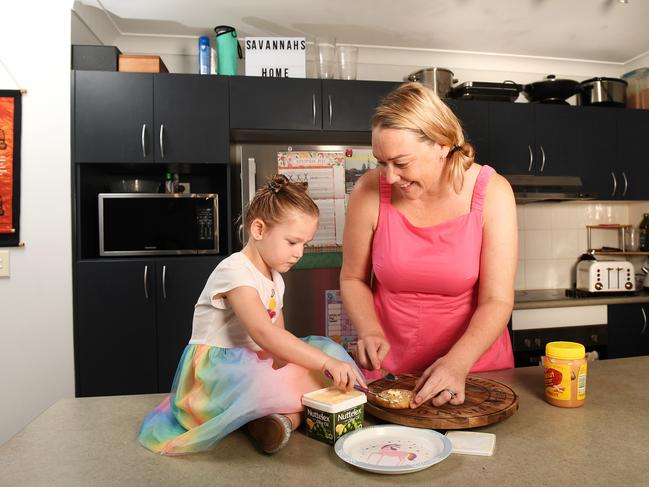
[(605, 276)]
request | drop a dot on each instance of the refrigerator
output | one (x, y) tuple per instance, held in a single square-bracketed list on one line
[(312, 298)]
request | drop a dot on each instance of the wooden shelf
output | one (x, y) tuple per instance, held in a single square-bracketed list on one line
[(630, 252)]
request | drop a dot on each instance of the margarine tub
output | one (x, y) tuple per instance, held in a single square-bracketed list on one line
[(331, 413)]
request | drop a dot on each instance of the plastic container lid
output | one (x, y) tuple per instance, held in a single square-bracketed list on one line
[(331, 400), (636, 73), (565, 350)]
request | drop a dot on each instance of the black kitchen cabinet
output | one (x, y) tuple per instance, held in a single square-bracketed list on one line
[(137, 117), (474, 117), (191, 119), (599, 167), (555, 132), (511, 138), (115, 328), (134, 318), (349, 105), (113, 117), (628, 333), (275, 103), (633, 153), (179, 283)]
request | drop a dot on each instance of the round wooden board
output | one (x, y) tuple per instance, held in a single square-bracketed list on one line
[(487, 401)]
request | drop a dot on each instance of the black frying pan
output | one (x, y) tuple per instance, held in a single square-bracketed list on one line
[(550, 89)]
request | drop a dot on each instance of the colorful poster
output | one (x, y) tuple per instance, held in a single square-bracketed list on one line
[(6, 163), (338, 325), (9, 166)]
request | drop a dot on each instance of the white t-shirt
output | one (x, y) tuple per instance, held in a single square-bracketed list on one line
[(214, 321)]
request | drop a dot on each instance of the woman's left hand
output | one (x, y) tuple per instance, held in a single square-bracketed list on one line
[(443, 382)]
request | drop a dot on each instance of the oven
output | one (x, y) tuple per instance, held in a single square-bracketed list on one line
[(532, 329)]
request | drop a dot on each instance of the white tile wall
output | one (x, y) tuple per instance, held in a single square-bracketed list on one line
[(552, 236)]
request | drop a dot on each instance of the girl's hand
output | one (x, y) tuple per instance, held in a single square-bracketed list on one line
[(371, 350), (343, 374), (443, 382)]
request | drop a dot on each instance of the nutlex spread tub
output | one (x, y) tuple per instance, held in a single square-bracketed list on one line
[(331, 413), (565, 374)]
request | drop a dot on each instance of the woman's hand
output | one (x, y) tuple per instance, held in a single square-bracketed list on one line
[(443, 382), (371, 350), (342, 373)]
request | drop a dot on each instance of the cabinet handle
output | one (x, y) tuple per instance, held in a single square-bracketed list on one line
[(529, 148), (146, 281), (626, 183), (164, 282), (542, 158), (644, 316), (143, 140), (162, 144), (331, 110), (313, 97), (614, 183)]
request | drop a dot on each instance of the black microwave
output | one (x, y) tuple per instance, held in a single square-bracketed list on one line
[(158, 224)]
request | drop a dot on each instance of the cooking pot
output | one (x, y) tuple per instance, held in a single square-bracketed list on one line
[(603, 91), (439, 79), (135, 186), (550, 90)]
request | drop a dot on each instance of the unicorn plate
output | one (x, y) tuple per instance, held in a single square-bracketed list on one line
[(393, 449)]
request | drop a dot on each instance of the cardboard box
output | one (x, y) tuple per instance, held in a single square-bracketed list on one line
[(95, 58), (135, 63)]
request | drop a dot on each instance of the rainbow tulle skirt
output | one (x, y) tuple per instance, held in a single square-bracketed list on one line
[(217, 390)]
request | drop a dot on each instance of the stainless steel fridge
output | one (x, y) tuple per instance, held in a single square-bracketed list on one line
[(305, 310)]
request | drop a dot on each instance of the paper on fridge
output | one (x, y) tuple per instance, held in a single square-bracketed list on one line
[(324, 171)]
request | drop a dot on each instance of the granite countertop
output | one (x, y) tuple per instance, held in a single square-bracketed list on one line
[(556, 298), (92, 441)]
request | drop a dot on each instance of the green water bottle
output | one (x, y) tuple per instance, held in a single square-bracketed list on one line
[(227, 50), (644, 233)]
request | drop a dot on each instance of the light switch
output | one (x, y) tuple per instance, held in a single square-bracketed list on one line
[(4, 263)]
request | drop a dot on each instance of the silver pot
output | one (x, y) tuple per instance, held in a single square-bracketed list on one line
[(135, 186), (439, 79), (603, 91)]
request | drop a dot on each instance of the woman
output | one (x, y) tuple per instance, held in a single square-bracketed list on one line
[(439, 234)]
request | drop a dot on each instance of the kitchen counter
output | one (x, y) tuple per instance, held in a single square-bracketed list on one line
[(556, 298), (92, 441)]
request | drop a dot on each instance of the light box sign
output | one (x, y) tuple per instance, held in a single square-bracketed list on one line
[(276, 57)]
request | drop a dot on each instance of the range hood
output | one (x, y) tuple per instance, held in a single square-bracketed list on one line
[(533, 189)]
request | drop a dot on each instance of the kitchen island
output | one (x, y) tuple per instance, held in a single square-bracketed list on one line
[(92, 442)]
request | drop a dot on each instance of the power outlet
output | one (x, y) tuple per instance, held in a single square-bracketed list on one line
[(4, 263)]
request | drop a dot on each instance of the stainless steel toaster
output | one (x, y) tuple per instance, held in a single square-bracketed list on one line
[(605, 276)]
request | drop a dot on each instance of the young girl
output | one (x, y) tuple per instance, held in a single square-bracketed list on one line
[(241, 365)]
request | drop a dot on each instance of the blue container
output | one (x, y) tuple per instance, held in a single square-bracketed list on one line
[(204, 55), (227, 49)]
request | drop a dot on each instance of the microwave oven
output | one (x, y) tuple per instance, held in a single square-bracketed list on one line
[(158, 224)]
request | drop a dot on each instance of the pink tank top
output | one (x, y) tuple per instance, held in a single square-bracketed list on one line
[(426, 284)]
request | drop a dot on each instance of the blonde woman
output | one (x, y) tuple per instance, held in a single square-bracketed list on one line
[(429, 252)]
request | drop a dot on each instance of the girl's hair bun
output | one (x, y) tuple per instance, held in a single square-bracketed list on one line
[(276, 183)]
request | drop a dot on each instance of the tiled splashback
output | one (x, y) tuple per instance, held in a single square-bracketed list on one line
[(552, 236)]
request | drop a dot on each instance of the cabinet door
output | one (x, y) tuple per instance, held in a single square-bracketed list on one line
[(191, 119), (115, 328), (179, 283), (511, 138), (474, 116), (113, 117), (274, 103), (628, 333), (349, 105), (555, 133), (633, 153), (596, 139)]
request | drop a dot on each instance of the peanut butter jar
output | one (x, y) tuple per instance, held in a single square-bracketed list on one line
[(565, 374)]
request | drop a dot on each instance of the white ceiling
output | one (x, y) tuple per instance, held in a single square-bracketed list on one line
[(596, 30)]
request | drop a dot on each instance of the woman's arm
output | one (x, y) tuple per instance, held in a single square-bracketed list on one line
[(360, 223), (498, 260), (283, 344)]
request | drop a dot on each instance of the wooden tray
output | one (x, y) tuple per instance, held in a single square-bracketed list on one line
[(487, 402)]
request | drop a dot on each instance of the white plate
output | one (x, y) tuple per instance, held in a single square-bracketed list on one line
[(393, 449)]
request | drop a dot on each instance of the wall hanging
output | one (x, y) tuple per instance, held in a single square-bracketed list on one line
[(10, 123)]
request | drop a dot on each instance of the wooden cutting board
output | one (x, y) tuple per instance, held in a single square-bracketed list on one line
[(487, 402)]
